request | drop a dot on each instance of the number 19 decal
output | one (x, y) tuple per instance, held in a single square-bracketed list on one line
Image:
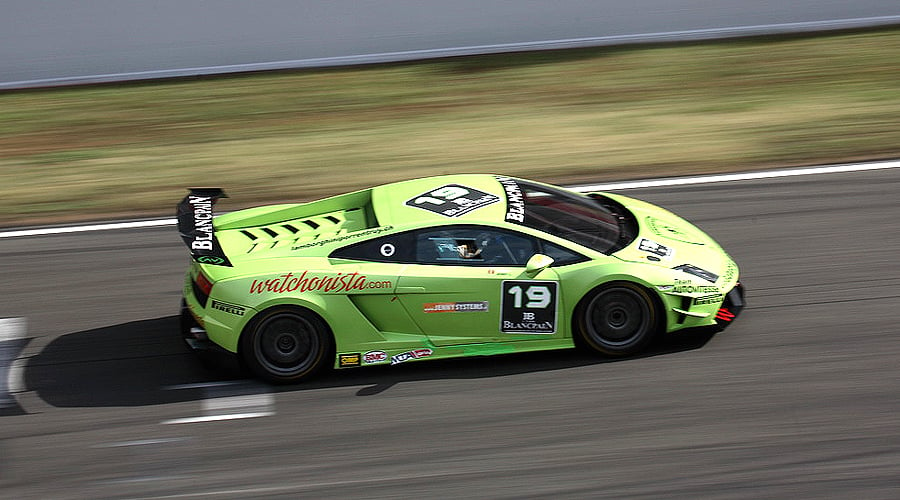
[(528, 307), (452, 200)]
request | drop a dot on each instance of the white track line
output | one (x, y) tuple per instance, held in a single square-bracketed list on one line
[(87, 228), (217, 418), (613, 186), (748, 176), (12, 329)]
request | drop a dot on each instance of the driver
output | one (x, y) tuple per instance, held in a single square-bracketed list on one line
[(468, 250)]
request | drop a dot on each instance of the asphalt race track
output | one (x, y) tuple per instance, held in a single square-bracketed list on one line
[(799, 399)]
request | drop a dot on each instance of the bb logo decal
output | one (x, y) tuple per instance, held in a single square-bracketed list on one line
[(528, 307), (388, 249)]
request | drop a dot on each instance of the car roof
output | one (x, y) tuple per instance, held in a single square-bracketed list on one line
[(440, 200)]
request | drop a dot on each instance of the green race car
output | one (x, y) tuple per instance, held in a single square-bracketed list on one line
[(441, 267)]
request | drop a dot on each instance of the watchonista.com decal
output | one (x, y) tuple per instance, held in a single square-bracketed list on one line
[(315, 282)]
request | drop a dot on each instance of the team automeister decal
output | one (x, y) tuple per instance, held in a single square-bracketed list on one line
[(529, 307), (687, 286), (452, 200)]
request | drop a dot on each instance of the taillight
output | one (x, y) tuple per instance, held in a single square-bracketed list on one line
[(204, 283), (202, 286)]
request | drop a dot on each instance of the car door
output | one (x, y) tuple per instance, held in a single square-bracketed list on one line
[(468, 285)]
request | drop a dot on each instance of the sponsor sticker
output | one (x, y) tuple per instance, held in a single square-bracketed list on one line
[(327, 283), (452, 200), (211, 259), (698, 272), (374, 357), (203, 226), (688, 286), (388, 249), (439, 307), (709, 299), (528, 307), (729, 272), (343, 237), (656, 249), (229, 308), (664, 229), (195, 223), (348, 360), (408, 355), (515, 202)]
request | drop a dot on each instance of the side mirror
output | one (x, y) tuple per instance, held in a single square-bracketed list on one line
[(537, 263)]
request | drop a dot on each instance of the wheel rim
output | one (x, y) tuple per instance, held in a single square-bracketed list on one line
[(286, 344), (617, 317)]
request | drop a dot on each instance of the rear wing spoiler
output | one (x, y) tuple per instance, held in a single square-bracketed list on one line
[(195, 224)]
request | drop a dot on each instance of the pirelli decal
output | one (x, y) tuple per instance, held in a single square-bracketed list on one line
[(229, 308)]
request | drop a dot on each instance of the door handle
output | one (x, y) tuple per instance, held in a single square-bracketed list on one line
[(410, 289)]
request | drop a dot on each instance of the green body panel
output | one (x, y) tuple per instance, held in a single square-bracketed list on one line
[(279, 256)]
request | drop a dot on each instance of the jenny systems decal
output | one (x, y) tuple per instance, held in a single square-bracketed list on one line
[(452, 200), (441, 307), (529, 307)]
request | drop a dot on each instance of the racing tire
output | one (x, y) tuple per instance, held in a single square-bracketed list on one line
[(286, 345), (617, 320)]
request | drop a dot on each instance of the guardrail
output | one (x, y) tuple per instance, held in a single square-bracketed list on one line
[(60, 42)]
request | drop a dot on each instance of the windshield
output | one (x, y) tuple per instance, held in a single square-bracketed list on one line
[(567, 215)]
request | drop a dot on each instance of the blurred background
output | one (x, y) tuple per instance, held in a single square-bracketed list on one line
[(610, 101), (109, 109)]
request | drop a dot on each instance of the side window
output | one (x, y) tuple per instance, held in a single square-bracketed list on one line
[(398, 248), (561, 256), (473, 245), (457, 245)]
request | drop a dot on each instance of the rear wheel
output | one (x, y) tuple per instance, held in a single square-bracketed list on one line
[(286, 345), (618, 319)]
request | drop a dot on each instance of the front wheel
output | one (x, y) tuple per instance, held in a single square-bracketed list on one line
[(617, 320), (286, 345)]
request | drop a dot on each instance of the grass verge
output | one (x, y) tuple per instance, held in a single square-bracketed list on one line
[(560, 116)]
